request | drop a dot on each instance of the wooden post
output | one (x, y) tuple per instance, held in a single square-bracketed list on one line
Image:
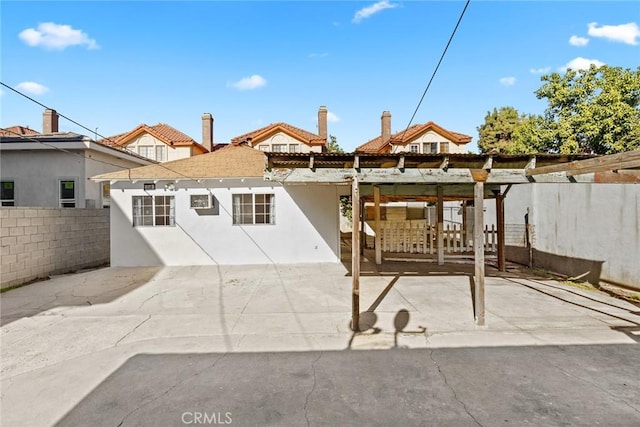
[(355, 255), (363, 235), (478, 245), (465, 238), (378, 240), (500, 222), (440, 230)]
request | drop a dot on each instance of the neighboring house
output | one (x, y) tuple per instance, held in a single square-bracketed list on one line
[(218, 209), (428, 138), (160, 142), (284, 138), (51, 169), (17, 131)]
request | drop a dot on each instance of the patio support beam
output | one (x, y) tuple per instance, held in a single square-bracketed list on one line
[(440, 226), (378, 241), (355, 255), (363, 224), (478, 246), (500, 223)]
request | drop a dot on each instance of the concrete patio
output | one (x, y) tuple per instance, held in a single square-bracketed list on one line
[(67, 341)]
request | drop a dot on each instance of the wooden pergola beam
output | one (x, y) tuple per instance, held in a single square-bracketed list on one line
[(628, 164), (603, 163), (355, 255)]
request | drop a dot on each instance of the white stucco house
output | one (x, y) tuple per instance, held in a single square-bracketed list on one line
[(160, 142), (285, 138), (427, 138), (216, 208), (52, 169)]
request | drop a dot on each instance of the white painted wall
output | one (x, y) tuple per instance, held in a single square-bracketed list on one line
[(172, 153), (599, 222), (283, 138), (429, 136), (306, 228), (36, 173)]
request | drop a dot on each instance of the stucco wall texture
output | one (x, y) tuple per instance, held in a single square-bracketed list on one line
[(582, 227)]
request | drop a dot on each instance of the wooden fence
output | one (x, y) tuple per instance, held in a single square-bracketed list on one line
[(421, 238)]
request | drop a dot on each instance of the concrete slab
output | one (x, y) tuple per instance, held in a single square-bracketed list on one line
[(273, 345)]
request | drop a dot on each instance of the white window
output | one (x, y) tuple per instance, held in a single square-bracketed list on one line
[(106, 195), (294, 148), (200, 201), (7, 192), (67, 193), (263, 147), (279, 148), (153, 211), (444, 147), (160, 153), (414, 148), (146, 151), (430, 147), (254, 209)]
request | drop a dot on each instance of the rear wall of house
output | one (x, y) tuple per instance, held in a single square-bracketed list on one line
[(306, 228)]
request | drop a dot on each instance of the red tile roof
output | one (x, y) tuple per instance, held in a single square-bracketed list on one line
[(17, 131), (163, 132), (404, 137), (264, 132)]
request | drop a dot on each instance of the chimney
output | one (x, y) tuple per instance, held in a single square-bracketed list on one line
[(322, 122), (49, 121), (207, 131), (386, 126)]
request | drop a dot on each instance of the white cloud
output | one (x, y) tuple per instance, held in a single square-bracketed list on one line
[(508, 81), (32, 88), (247, 83), (318, 55), (623, 33), (332, 118), (543, 70), (55, 36), (578, 41), (368, 11), (580, 63)]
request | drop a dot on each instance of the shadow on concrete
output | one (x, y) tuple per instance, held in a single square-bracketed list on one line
[(537, 385), (78, 289)]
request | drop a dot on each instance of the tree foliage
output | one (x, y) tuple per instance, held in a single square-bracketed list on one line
[(589, 111), (332, 145)]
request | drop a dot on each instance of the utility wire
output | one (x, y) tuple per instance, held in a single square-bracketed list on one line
[(120, 167), (444, 52)]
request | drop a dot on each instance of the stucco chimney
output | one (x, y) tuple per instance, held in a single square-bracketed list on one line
[(322, 121), (49, 121), (207, 131), (386, 126)]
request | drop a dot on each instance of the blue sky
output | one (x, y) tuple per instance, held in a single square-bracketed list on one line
[(114, 65)]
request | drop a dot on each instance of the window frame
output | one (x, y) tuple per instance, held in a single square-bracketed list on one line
[(282, 148), (444, 146), (165, 211), (414, 148), (433, 147), (262, 212), (67, 201), (106, 196), (8, 202)]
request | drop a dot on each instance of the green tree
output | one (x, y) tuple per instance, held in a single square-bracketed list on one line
[(332, 145), (592, 111), (497, 131)]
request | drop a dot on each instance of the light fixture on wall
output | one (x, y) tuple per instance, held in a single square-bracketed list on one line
[(170, 186)]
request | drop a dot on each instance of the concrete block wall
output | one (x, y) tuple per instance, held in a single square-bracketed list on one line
[(38, 242)]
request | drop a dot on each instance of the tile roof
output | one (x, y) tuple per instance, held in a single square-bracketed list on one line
[(264, 132), (17, 131), (232, 161), (165, 133), (404, 137)]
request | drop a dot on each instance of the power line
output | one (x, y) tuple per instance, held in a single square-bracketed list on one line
[(93, 131), (444, 52)]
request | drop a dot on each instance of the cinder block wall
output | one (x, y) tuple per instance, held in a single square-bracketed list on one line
[(38, 242)]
